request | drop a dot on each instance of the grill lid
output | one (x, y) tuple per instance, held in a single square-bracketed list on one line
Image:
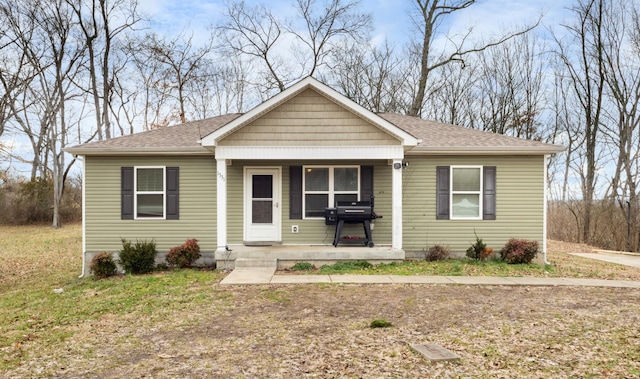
[(354, 210)]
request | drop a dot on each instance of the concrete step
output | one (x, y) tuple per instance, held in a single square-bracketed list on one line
[(255, 263)]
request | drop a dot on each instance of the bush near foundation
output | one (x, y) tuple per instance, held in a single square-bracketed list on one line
[(437, 253), (139, 258), (517, 251), (103, 266), (479, 250), (185, 255)]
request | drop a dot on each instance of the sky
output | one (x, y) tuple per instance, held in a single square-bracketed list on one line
[(391, 18)]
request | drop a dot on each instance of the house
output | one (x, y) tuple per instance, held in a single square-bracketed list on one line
[(240, 182)]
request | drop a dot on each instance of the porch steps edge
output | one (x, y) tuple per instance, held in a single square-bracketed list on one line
[(255, 263)]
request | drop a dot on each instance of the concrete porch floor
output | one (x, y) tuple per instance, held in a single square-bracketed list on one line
[(287, 255)]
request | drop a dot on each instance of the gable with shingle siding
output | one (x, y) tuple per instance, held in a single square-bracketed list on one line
[(309, 119)]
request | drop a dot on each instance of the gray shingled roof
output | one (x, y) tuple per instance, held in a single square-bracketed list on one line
[(183, 137), (434, 138), (440, 137)]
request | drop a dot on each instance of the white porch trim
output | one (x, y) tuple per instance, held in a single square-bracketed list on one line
[(335, 153), (396, 204), (221, 190)]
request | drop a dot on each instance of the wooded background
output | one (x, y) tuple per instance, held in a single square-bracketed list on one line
[(75, 71)]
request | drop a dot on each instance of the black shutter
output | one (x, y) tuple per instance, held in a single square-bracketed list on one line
[(442, 192), (489, 193), (126, 193), (173, 200), (295, 192), (366, 183)]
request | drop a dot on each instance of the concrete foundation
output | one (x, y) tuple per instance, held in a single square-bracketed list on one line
[(318, 255)]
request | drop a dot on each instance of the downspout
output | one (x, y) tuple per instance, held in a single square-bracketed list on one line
[(544, 212), (84, 202)]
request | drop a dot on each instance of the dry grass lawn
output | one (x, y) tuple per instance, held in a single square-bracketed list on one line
[(183, 324)]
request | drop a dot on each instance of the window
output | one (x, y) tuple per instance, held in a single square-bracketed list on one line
[(149, 197), (149, 193), (326, 186), (466, 191)]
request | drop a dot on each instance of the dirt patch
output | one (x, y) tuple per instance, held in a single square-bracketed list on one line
[(321, 331)]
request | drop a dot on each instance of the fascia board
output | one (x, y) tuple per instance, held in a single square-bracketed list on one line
[(487, 150), (138, 151)]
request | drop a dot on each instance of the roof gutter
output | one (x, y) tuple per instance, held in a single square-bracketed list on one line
[(488, 150), (139, 151)]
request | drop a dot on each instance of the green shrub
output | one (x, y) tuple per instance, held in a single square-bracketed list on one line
[(184, 255), (380, 323), (437, 253), (479, 250), (139, 258), (303, 266), (103, 266), (517, 251)]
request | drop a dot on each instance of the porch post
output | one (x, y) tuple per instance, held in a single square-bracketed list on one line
[(396, 204), (221, 191)]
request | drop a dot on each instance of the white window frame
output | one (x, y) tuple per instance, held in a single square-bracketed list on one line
[(331, 192), (136, 192), (479, 193)]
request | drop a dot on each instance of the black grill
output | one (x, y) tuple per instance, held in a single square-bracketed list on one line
[(352, 212), (357, 211)]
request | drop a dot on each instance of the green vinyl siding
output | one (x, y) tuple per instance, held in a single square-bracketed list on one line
[(309, 117), (519, 203), (197, 202)]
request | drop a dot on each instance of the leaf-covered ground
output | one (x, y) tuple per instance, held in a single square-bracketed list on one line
[(184, 324), (321, 331)]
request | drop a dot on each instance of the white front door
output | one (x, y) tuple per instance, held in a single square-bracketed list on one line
[(262, 204)]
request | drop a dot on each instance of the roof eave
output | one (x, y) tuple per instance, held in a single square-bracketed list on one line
[(487, 150), (197, 150)]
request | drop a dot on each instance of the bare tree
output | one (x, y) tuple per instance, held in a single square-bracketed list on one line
[(510, 88), (44, 32), (585, 67), (125, 94), (15, 77), (177, 67), (101, 21), (455, 100), (325, 27), (228, 90), (431, 15), (256, 32), (147, 86), (372, 77), (22, 29), (622, 117)]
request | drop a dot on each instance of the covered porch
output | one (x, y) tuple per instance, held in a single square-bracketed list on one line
[(265, 157)]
